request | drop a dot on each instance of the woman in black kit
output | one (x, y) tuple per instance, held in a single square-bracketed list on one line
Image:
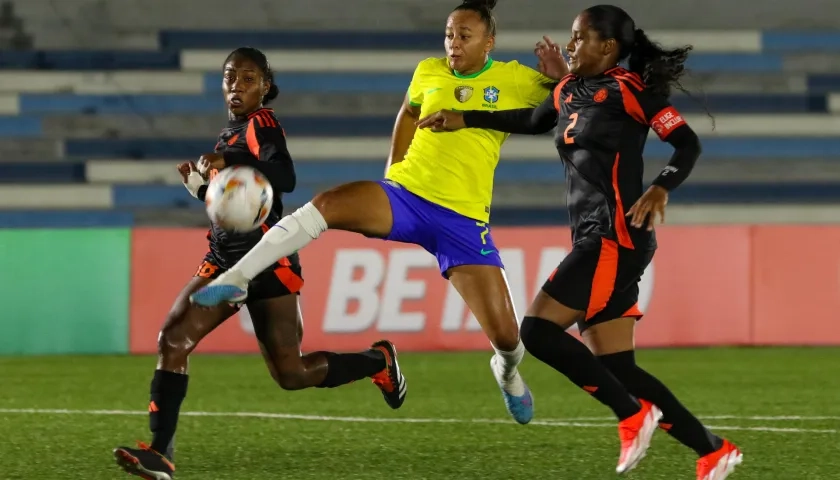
[(603, 114), (255, 138)]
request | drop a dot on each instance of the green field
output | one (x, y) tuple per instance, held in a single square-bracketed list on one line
[(779, 405)]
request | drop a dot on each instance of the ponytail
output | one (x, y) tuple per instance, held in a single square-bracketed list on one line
[(661, 69)]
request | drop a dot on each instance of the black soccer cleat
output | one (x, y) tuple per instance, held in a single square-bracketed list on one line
[(390, 380), (144, 462)]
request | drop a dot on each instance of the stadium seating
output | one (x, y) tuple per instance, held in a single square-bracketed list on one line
[(99, 131)]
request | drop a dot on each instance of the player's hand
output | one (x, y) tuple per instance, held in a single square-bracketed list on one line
[(442, 121), (649, 206), (185, 169), (192, 179), (210, 161), (550, 59)]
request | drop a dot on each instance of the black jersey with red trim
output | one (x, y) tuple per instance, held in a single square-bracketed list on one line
[(602, 126), (259, 142)]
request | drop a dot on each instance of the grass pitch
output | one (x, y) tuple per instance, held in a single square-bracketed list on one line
[(62, 416)]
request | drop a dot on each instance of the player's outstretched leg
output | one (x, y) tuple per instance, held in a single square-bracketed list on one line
[(289, 235), (278, 326), (379, 363), (360, 207), (717, 457), (485, 291)]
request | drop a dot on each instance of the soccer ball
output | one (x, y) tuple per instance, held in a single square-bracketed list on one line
[(239, 199)]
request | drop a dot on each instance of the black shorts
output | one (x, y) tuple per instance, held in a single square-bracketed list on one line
[(601, 278), (283, 278)]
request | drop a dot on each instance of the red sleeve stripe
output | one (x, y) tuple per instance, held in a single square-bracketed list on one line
[(632, 79), (264, 118), (251, 139), (627, 75), (631, 103), (267, 119), (559, 89)]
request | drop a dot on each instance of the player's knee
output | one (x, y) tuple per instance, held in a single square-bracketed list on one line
[(505, 336), (172, 341), (290, 377), (326, 202)]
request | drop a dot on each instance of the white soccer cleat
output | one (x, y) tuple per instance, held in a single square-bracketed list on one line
[(521, 406)]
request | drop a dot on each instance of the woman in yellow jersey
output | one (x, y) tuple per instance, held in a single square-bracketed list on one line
[(437, 191)]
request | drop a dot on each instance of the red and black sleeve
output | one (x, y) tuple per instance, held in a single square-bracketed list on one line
[(657, 112), (266, 141)]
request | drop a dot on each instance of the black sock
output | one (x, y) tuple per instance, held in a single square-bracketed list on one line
[(168, 391), (676, 420), (343, 368), (552, 345)]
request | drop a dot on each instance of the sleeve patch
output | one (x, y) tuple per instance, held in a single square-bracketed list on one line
[(666, 121)]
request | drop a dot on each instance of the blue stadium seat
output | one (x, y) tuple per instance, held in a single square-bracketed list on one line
[(50, 107)]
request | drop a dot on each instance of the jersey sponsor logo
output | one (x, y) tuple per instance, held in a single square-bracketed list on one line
[(463, 93), (486, 252), (667, 121), (600, 95), (432, 90), (491, 94), (568, 99)]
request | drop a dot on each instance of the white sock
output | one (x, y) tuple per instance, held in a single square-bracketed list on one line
[(507, 363), (289, 235)]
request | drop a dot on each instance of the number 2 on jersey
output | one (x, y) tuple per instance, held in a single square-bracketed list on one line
[(566, 138)]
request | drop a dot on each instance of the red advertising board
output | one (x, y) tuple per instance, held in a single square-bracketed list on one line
[(706, 286), (796, 285)]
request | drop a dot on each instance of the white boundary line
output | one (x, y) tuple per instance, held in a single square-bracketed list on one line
[(766, 418), (582, 422)]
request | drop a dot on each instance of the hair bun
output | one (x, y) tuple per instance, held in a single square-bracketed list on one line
[(273, 91), (488, 4)]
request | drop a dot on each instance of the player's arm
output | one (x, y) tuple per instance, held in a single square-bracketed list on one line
[(404, 129), (671, 127), (526, 121), (270, 155), (405, 125)]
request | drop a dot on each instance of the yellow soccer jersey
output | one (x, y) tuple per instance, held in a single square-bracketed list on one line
[(455, 169)]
